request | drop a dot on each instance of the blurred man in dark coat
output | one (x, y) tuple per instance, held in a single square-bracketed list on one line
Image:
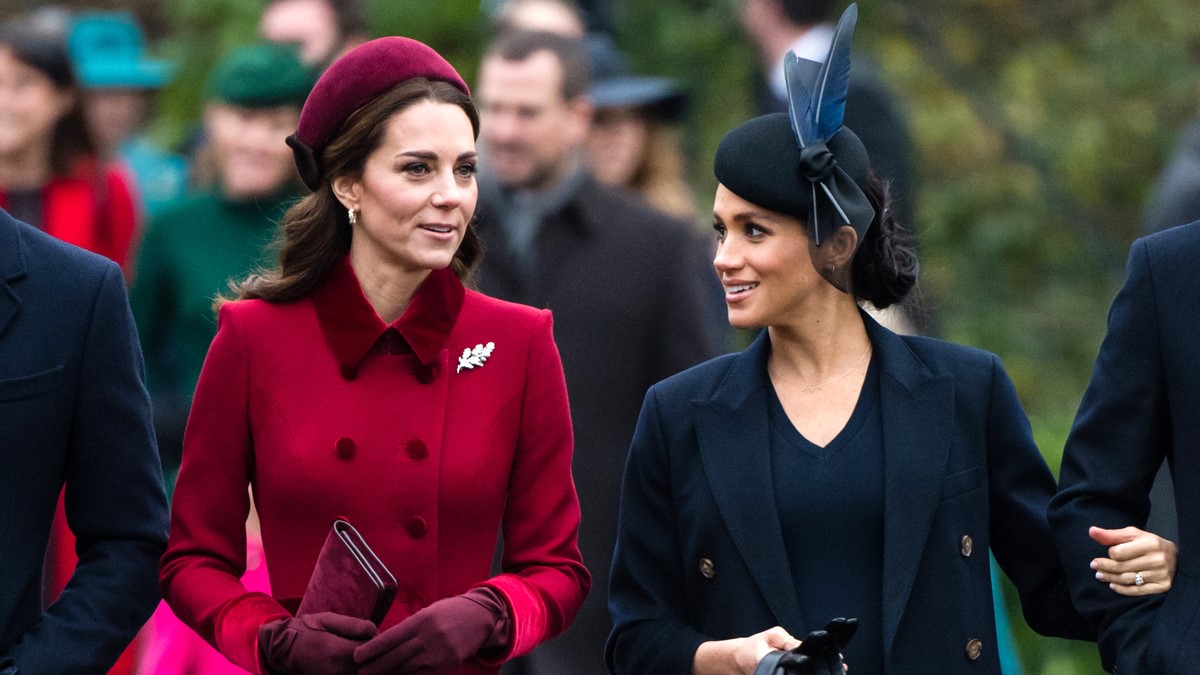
[(779, 26), (73, 411), (631, 288), (1139, 410)]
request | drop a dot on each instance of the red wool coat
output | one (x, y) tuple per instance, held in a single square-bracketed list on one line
[(327, 412)]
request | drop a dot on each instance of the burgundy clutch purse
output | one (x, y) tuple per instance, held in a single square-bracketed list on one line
[(349, 578)]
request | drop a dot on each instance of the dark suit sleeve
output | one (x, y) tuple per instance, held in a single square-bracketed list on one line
[(647, 598), (1112, 454), (1020, 486), (114, 504)]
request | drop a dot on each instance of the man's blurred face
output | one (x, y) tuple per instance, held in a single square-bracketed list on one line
[(528, 131), (309, 24)]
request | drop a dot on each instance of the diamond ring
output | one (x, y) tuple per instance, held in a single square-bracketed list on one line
[(1138, 580)]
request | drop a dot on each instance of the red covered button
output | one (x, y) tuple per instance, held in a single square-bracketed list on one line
[(349, 372), (415, 527), (414, 603), (417, 449), (344, 447)]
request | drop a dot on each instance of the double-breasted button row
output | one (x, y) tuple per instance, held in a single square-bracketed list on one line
[(707, 570), (973, 649), (345, 447), (966, 545)]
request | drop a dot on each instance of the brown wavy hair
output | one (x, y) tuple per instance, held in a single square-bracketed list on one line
[(661, 176), (315, 232)]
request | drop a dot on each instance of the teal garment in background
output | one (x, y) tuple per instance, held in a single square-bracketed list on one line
[(159, 177), (1005, 642), (188, 255)]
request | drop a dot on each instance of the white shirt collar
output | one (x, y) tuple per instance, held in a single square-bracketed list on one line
[(813, 45)]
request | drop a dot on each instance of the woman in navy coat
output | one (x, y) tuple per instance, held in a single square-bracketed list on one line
[(833, 468), (362, 380)]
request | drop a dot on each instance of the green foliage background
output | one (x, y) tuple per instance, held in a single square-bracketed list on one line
[(1039, 128)]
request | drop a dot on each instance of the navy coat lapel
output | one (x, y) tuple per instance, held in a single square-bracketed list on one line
[(12, 267), (917, 412), (733, 435)]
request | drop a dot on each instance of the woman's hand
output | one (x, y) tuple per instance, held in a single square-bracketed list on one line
[(1133, 552), (440, 637), (315, 644), (740, 656)]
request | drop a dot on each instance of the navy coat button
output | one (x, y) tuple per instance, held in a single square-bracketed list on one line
[(966, 546), (417, 449), (349, 372), (415, 527), (344, 447), (707, 569), (974, 649)]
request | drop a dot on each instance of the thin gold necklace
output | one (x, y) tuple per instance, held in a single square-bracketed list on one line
[(821, 386)]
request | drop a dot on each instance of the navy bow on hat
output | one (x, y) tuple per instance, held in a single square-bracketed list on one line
[(816, 108)]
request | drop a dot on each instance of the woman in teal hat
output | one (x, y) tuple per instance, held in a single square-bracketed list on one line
[(119, 83)]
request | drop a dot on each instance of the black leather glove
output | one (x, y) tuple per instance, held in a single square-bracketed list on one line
[(819, 653), (313, 644)]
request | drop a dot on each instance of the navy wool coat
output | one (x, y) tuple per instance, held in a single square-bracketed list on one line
[(73, 410), (1139, 409), (700, 552)]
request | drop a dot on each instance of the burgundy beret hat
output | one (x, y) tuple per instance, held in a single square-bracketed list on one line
[(354, 80)]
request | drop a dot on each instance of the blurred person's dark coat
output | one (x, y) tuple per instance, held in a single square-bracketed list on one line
[(1176, 197), (74, 412), (631, 290)]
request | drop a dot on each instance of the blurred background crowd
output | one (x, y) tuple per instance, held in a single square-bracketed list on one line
[(1040, 139)]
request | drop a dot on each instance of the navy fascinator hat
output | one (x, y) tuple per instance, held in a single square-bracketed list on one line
[(805, 163)]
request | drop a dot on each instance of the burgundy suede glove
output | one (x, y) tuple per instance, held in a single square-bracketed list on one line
[(442, 636), (314, 643)]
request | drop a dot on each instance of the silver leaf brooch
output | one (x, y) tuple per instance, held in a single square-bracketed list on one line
[(475, 358)]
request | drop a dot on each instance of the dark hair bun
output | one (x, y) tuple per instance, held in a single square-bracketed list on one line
[(885, 266)]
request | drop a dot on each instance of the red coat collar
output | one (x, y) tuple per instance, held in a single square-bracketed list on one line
[(352, 327)]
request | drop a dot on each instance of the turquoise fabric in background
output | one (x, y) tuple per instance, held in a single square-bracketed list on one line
[(1005, 643)]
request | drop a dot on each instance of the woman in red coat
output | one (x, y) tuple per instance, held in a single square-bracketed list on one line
[(361, 380)]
